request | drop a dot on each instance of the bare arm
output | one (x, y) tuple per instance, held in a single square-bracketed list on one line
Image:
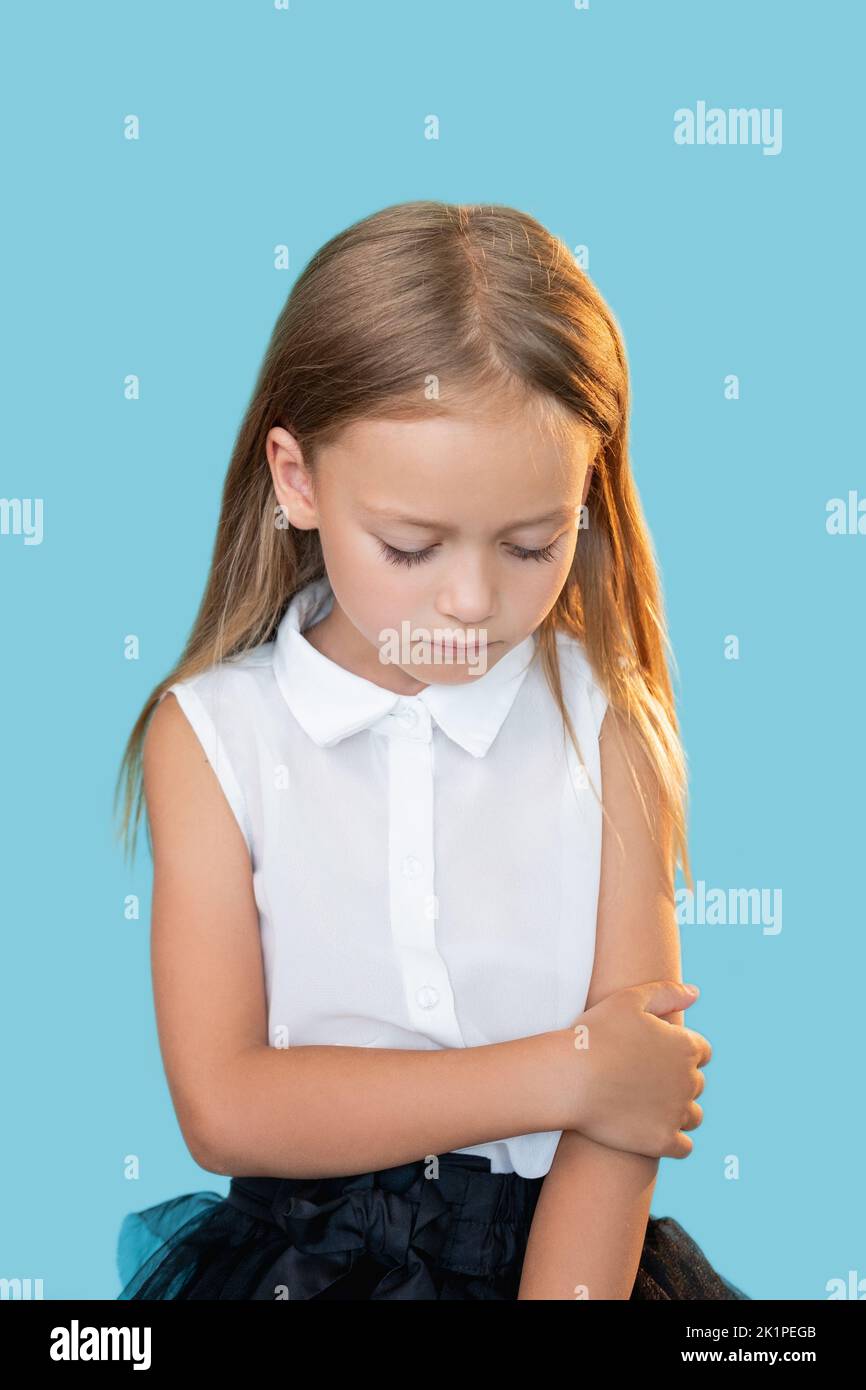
[(246, 1108), (331, 1111), (590, 1220)]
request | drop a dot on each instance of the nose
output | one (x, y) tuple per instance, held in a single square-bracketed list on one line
[(468, 597)]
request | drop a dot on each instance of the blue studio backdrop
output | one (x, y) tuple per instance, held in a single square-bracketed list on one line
[(150, 247)]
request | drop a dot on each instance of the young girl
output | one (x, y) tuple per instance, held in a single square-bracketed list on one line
[(417, 987)]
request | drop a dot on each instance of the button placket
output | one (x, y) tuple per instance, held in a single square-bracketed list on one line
[(426, 984)]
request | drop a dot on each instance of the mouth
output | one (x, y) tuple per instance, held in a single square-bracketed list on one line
[(468, 647)]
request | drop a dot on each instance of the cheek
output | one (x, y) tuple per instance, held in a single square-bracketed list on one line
[(378, 596), (540, 596), (537, 587), (399, 596), (353, 559), (562, 567), (548, 576)]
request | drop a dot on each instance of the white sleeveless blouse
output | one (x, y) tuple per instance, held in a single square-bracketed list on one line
[(426, 867)]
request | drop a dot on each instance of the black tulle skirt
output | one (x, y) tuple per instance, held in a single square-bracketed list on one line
[(399, 1233)]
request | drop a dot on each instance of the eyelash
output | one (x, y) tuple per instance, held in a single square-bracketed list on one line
[(417, 557)]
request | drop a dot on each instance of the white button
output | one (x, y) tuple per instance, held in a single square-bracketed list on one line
[(427, 996), (407, 716), (411, 867)]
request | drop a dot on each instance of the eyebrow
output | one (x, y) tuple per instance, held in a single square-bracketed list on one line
[(389, 514)]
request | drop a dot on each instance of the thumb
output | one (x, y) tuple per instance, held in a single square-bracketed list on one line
[(667, 996)]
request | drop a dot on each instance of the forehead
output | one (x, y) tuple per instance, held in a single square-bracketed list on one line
[(456, 465)]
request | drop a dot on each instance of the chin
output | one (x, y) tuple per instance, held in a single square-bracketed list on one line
[(457, 672)]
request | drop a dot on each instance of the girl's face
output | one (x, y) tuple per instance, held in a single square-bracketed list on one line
[(461, 528)]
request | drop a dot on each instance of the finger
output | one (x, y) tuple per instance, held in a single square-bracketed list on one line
[(694, 1116), (701, 1045), (664, 996), (680, 1146)]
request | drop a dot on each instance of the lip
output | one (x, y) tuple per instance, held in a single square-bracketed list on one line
[(468, 646)]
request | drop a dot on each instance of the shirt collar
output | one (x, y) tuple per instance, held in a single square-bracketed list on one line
[(330, 703)]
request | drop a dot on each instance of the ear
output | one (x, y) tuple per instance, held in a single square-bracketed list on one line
[(293, 483)]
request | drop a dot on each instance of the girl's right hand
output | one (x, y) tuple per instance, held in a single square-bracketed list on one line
[(634, 1077)]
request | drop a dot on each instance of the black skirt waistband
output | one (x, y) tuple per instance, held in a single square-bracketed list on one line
[(460, 1180)]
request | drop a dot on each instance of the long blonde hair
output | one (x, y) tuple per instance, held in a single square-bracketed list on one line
[(485, 301)]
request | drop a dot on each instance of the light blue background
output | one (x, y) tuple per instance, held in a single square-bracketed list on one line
[(156, 257)]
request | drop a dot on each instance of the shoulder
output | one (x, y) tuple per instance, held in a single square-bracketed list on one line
[(638, 830), (168, 741), (234, 674), (203, 733), (210, 698), (580, 681), (187, 805), (627, 772), (223, 696)]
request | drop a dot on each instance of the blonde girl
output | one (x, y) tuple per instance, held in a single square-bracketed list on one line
[(416, 799)]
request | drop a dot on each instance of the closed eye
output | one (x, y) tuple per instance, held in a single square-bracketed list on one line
[(405, 557), (417, 557), (545, 553)]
